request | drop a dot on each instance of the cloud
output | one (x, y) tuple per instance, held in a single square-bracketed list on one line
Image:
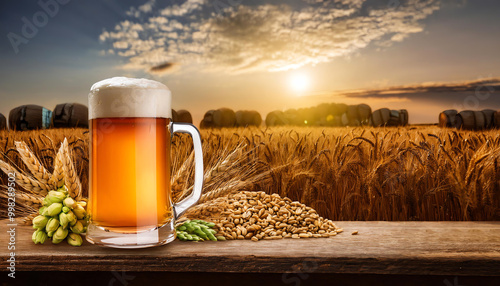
[(142, 9), (163, 68), (490, 85), (261, 37), (472, 94)]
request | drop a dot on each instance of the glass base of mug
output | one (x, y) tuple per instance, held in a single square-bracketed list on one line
[(128, 239)]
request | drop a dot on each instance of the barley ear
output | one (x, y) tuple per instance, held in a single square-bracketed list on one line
[(57, 179), (32, 162), (70, 176)]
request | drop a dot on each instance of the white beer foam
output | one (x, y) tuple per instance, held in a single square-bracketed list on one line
[(129, 97)]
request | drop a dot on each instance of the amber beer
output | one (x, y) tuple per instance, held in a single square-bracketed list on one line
[(130, 173), (130, 203)]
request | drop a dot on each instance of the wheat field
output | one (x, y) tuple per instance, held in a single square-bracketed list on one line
[(394, 174)]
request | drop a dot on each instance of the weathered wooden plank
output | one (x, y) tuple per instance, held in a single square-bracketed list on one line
[(416, 248)]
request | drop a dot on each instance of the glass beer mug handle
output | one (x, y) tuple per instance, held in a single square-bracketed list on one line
[(193, 198)]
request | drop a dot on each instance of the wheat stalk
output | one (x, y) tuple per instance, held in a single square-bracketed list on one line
[(71, 179), (32, 162)]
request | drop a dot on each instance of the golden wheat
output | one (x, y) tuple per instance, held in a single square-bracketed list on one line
[(71, 179), (32, 163), (57, 179), (410, 173), (25, 181)]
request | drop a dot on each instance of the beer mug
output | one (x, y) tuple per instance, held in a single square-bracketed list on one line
[(130, 200)]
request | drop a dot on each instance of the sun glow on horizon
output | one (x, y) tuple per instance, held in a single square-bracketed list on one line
[(299, 82)]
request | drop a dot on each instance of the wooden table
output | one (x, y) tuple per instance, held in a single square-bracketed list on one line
[(394, 248)]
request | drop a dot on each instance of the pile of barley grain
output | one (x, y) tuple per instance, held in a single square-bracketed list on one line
[(257, 215)]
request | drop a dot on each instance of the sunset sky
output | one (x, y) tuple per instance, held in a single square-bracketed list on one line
[(425, 56)]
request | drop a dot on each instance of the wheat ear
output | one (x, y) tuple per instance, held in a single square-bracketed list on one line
[(228, 188), (32, 162), (57, 179), (223, 166), (211, 209), (24, 199), (28, 220), (29, 199), (29, 184), (180, 179), (70, 176)]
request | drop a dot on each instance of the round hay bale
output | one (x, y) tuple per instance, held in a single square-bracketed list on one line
[(364, 113), (3, 122), (276, 118), (69, 115), (394, 118), (184, 116), (489, 115), (352, 112), (471, 120), (358, 114), (380, 117), (496, 119), (466, 121), (29, 117), (174, 116), (447, 118), (480, 119), (248, 118), (222, 117), (202, 124), (403, 117)]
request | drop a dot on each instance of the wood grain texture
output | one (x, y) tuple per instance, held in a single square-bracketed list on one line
[(416, 248)]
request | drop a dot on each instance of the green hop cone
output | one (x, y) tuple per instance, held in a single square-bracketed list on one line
[(39, 236), (54, 209), (46, 202), (71, 218), (63, 190), (82, 203), (65, 209), (55, 197), (74, 239), (39, 222), (79, 211), (77, 228), (41, 210), (50, 233), (63, 220), (56, 241), (52, 224), (69, 202), (84, 222), (60, 233)]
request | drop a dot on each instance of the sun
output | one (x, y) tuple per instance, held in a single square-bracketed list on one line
[(299, 82)]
